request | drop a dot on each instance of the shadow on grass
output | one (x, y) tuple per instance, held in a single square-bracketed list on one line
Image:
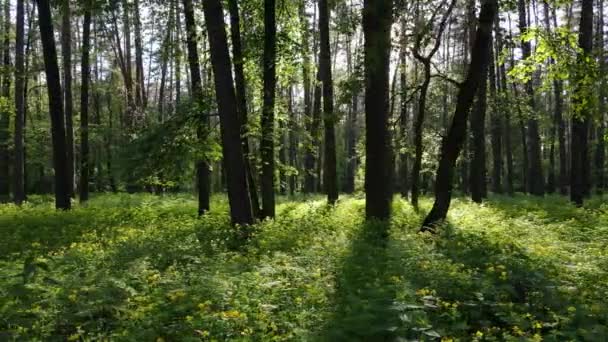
[(364, 297)]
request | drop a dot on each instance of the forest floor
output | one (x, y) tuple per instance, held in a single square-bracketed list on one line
[(145, 268)]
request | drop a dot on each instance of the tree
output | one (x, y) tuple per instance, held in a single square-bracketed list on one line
[(426, 61), (329, 172), (84, 104), (451, 145), (579, 146), (377, 20), (202, 166), (66, 50), (477, 174), (536, 182), (19, 170), (600, 152), (238, 196), (5, 114), (241, 97), (270, 82), (60, 159)]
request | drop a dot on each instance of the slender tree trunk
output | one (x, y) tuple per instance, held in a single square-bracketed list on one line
[(600, 152), (5, 115), (84, 105), (496, 126), (267, 144), (309, 159), (351, 125), (241, 97), (19, 170), (140, 90), (404, 122), (478, 141), (535, 172), (202, 166), (238, 195), (507, 113), (60, 160), (66, 50), (329, 172), (579, 147), (377, 20), (452, 144)]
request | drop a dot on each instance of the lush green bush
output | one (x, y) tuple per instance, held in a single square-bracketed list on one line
[(145, 268)]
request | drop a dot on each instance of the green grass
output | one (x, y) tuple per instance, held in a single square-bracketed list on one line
[(145, 268)]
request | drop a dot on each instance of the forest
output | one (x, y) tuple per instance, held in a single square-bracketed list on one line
[(303, 170)]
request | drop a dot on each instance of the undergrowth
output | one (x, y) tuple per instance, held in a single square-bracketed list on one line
[(145, 268)]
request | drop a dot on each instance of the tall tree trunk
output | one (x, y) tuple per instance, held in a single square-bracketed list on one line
[(19, 170), (377, 20), (238, 195), (84, 105), (535, 171), (452, 144), (202, 166), (502, 73), (241, 97), (140, 90), (329, 171), (478, 141), (351, 124), (5, 116), (60, 160), (66, 50), (579, 148), (420, 116), (309, 159), (496, 127), (270, 80), (403, 120), (165, 49), (561, 128), (600, 151)]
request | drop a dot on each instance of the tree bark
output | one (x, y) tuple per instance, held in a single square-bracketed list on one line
[(202, 166), (60, 160), (478, 141), (452, 144), (377, 20), (238, 196), (535, 171), (496, 127), (241, 98), (19, 170), (579, 147), (66, 50), (84, 104), (267, 144), (329, 171), (600, 151), (140, 90)]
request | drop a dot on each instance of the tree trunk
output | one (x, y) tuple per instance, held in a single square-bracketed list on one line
[(267, 144), (5, 116), (377, 20), (60, 160), (478, 141), (329, 172), (241, 98), (84, 105), (238, 196), (140, 91), (452, 144), (19, 170), (66, 50), (404, 122), (202, 166), (600, 152), (535, 172), (309, 159), (579, 147), (496, 126)]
